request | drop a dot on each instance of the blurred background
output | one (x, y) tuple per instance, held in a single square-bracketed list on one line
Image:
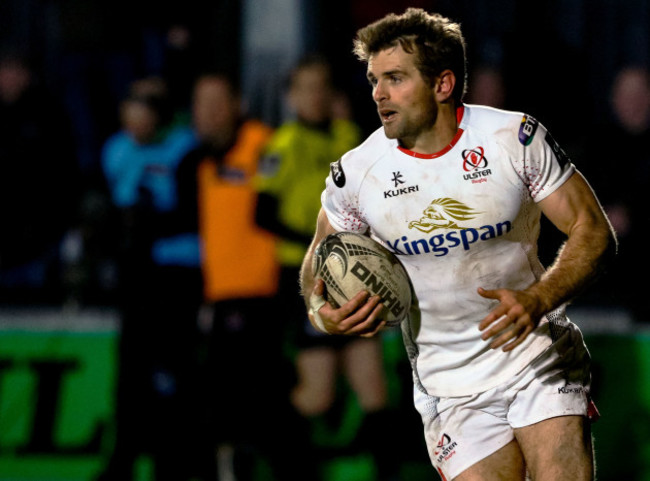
[(68, 66)]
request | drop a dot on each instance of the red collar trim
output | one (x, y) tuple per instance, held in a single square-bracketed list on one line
[(460, 111)]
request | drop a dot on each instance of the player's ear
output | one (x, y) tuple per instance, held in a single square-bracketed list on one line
[(444, 84)]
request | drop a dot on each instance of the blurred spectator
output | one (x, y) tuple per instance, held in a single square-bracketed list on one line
[(291, 180), (487, 88), (160, 288), (618, 165), (247, 377), (613, 35), (94, 50), (38, 184)]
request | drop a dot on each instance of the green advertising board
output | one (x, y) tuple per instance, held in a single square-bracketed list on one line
[(57, 391), (57, 377)]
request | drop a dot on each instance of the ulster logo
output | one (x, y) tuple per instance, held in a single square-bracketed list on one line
[(445, 449), (444, 213), (475, 163), (474, 159)]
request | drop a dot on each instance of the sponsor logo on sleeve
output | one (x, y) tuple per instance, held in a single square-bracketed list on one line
[(527, 129), (560, 154), (338, 176)]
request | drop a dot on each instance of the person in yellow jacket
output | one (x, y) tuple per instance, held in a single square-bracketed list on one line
[(291, 177)]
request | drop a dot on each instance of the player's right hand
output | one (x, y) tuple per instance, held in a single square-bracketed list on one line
[(360, 316)]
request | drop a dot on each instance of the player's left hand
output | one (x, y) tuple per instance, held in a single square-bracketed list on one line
[(512, 320)]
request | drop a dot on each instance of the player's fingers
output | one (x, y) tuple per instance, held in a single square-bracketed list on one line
[(515, 334), (355, 304), (374, 332), (519, 339), (345, 323), (496, 325), (342, 320), (489, 293), (496, 315), (373, 322), (498, 312), (366, 312), (506, 336)]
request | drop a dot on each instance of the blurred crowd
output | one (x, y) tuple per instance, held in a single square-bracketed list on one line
[(136, 139), (69, 66)]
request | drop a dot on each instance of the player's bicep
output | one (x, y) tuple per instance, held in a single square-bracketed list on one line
[(573, 205)]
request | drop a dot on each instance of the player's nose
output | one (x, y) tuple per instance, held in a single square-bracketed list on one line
[(379, 93)]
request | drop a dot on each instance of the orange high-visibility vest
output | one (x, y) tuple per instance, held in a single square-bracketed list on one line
[(239, 258)]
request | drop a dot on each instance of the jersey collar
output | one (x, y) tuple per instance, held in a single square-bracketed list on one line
[(460, 111)]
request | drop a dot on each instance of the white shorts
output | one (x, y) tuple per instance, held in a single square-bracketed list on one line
[(461, 431)]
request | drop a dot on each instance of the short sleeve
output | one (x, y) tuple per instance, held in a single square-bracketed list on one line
[(546, 165), (340, 199)]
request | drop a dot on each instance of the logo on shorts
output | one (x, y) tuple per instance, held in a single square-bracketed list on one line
[(445, 449), (568, 389)]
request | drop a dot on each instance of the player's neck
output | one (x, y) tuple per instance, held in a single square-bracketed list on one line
[(439, 135)]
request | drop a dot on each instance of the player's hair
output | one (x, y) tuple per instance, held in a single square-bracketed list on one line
[(436, 41)]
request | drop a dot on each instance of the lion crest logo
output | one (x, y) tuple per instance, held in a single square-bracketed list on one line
[(444, 213)]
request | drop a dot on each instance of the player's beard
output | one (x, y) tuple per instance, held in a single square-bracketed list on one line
[(408, 126)]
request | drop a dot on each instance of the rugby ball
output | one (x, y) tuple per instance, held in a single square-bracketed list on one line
[(349, 263)]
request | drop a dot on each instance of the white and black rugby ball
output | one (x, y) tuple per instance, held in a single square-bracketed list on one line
[(349, 263)]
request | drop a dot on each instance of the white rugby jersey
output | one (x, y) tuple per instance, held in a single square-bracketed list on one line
[(463, 218)]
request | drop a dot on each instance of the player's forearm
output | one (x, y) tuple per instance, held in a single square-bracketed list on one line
[(307, 283), (307, 280), (581, 260)]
